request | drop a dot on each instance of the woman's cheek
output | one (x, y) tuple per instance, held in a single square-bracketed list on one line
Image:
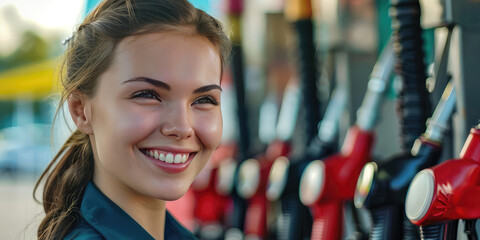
[(135, 126), (209, 129)]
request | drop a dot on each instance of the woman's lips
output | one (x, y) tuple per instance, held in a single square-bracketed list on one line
[(169, 161)]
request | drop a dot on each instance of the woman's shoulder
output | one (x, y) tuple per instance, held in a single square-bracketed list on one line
[(83, 231)]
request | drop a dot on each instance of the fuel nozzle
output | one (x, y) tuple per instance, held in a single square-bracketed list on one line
[(387, 183), (450, 190), (327, 184), (377, 184), (253, 173), (285, 174), (382, 187)]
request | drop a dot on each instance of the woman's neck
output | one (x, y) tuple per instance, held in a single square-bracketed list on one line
[(146, 211)]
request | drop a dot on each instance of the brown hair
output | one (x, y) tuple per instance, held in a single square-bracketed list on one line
[(89, 53)]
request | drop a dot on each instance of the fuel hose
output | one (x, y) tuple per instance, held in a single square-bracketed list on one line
[(413, 106), (300, 13)]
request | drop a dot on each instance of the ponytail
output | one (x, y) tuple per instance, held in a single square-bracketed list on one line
[(65, 180)]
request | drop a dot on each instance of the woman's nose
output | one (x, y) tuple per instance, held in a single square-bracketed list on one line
[(176, 123)]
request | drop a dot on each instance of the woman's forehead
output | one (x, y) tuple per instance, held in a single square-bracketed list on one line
[(167, 55), (162, 37)]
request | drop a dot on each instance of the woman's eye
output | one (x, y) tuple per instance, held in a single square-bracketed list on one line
[(149, 93), (206, 100)]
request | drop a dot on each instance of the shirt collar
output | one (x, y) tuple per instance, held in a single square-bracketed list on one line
[(114, 223)]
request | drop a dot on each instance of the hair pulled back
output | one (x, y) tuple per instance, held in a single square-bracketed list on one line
[(89, 53)]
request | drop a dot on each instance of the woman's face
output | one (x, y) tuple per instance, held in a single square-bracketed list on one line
[(156, 116)]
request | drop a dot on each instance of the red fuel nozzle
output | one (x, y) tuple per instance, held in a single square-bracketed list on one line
[(448, 191), (210, 205), (326, 184), (252, 185)]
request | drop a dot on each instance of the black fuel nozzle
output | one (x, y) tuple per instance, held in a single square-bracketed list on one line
[(382, 188), (388, 182), (295, 220)]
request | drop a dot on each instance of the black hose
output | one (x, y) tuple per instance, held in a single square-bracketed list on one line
[(235, 221), (242, 113), (413, 106), (308, 74)]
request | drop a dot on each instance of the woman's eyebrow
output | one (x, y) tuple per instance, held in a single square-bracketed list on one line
[(154, 82), (161, 84), (207, 88)]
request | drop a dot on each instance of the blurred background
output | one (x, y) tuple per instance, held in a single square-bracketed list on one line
[(31, 33), (348, 36)]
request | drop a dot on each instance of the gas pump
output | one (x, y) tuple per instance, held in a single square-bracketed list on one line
[(326, 184)]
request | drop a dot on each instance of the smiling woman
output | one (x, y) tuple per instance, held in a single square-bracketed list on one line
[(142, 82)]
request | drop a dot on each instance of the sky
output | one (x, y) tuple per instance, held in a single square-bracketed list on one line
[(48, 13), (50, 16)]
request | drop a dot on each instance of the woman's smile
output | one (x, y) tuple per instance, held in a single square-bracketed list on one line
[(171, 161)]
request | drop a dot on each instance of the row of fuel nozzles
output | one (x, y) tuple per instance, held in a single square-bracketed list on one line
[(392, 191), (402, 186), (407, 185)]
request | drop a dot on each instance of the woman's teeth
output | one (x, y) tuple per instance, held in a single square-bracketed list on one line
[(169, 157)]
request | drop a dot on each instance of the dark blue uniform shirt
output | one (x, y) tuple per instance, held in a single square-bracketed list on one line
[(103, 219)]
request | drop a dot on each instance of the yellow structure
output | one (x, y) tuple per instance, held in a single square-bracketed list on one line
[(37, 80)]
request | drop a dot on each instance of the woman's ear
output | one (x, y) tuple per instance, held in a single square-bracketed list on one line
[(80, 112)]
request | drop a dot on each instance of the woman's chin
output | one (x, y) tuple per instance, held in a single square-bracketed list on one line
[(170, 194), (172, 197)]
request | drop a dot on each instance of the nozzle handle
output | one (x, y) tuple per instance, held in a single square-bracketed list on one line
[(268, 119), (329, 126), (255, 218), (287, 118), (367, 115), (438, 123), (327, 221)]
